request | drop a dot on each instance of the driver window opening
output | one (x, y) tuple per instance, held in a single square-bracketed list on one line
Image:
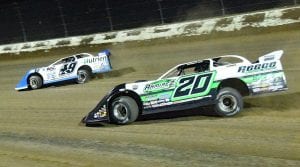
[(202, 67), (221, 61), (186, 69), (65, 60), (193, 68)]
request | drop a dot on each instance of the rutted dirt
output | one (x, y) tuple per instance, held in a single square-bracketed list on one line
[(41, 127)]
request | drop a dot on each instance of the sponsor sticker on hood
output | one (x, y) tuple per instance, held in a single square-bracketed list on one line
[(160, 85)]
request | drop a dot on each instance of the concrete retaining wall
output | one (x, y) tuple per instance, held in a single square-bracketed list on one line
[(270, 18)]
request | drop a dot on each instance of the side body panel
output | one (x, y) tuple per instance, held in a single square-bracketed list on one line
[(264, 76), (198, 88), (64, 71), (176, 93), (98, 64), (68, 71)]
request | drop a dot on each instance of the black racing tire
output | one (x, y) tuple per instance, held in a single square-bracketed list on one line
[(124, 110), (229, 102), (83, 76), (35, 82)]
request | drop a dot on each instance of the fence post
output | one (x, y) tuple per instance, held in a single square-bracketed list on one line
[(21, 22), (295, 2), (160, 12), (109, 15), (62, 17), (223, 8)]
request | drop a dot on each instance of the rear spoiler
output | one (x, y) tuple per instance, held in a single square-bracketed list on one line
[(273, 56), (104, 52)]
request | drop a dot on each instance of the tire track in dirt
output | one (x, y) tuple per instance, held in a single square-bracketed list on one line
[(145, 153), (264, 134)]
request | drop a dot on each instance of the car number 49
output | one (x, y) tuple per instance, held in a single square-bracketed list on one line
[(68, 68)]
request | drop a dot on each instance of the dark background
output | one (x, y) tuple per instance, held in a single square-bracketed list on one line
[(30, 20)]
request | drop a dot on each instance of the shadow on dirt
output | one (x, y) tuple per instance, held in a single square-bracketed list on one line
[(116, 73), (200, 111), (277, 102), (58, 84), (171, 116)]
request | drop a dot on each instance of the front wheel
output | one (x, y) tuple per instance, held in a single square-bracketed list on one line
[(124, 110), (35, 82), (83, 76), (229, 102)]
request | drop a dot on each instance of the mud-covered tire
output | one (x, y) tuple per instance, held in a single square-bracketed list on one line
[(83, 76), (229, 102), (124, 110), (35, 82)]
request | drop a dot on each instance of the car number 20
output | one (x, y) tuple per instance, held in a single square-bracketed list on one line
[(192, 86)]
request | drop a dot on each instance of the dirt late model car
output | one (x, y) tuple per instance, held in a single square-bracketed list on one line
[(220, 82), (77, 67)]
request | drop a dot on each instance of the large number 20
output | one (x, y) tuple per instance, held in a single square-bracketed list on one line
[(192, 85)]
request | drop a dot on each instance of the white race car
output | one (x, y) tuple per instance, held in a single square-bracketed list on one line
[(79, 67), (220, 82)]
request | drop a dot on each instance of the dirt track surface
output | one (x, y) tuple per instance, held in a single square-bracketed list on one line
[(41, 127)]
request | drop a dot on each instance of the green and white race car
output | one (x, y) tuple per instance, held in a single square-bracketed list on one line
[(221, 82)]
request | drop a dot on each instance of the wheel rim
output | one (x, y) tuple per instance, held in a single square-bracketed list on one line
[(33, 83), (81, 76), (120, 111), (227, 103)]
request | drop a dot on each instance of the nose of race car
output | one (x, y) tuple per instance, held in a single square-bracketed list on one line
[(23, 82), (96, 117)]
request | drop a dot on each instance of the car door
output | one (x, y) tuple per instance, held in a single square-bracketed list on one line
[(62, 69), (66, 69), (193, 82)]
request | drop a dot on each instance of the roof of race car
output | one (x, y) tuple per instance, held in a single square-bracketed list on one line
[(214, 59)]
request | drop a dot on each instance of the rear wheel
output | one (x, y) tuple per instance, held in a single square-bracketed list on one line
[(229, 102), (124, 110), (35, 82), (83, 76)]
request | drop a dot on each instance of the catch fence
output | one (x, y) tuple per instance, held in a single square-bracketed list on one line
[(31, 20)]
